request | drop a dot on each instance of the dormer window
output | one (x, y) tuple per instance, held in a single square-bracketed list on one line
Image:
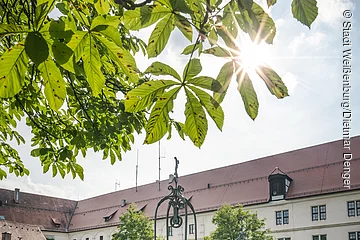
[(109, 215), (279, 184), (56, 222)]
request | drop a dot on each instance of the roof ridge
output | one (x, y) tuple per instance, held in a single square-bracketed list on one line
[(223, 167), (38, 194), (223, 184)]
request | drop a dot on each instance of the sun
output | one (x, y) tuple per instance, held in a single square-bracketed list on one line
[(253, 56)]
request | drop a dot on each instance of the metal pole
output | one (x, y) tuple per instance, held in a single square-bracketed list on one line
[(137, 166), (159, 165)]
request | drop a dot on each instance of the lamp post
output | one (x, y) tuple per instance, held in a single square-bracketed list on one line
[(177, 205)]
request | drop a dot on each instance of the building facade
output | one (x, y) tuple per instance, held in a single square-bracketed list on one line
[(302, 195)]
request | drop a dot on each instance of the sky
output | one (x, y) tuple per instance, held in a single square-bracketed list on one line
[(310, 64)]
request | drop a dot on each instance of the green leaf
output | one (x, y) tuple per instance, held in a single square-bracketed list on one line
[(41, 12), (73, 173), (2, 174), (110, 32), (169, 132), (212, 107), (196, 124), (248, 94), (14, 64), (273, 81), (79, 170), (184, 26), (228, 38), (245, 4), (305, 11), (63, 8), (112, 157), (224, 77), (77, 43), (160, 36), (35, 152), (62, 54), (58, 29), (144, 16), (213, 37), (218, 52), (40, 2), (189, 49), (180, 127), (102, 6), (36, 47), (181, 6), (157, 125), (46, 167), (271, 2), (197, 6), (207, 83), (55, 89), (106, 20), (61, 170), (122, 58), (92, 67), (192, 69), (257, 23), (10, 29), (54, 170), (159, 68), (267, 28), (141, 97), (26, 171)]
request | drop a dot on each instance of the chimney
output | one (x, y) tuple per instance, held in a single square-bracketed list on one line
[(6, 236), (16, 195)]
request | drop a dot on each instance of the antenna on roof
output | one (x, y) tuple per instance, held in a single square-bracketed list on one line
[(160, 164), (137, 169), (117, 184)]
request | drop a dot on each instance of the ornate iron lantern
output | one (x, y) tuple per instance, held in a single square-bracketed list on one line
[(177, 203)]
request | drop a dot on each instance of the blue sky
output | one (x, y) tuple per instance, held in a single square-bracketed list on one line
[(310, 63)]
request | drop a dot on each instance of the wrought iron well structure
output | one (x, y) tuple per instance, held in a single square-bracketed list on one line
[(178, 203)]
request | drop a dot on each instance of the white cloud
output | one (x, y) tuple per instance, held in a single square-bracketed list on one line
[(27, 185), (302, 40), (331, 12)]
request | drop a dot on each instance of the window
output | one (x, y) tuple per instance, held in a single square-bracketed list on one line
[(286, 216), (87, 238), (282, 217), (191, 228), (101, 238), (277, 189), (315, 212), (170, 231), (319, 237), (278, 218), (322, 212), (287, 238), (353, 208), (353, 235)]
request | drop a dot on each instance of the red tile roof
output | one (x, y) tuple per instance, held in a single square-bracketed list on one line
[(21, 231), (37, 209), (314, 170)]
